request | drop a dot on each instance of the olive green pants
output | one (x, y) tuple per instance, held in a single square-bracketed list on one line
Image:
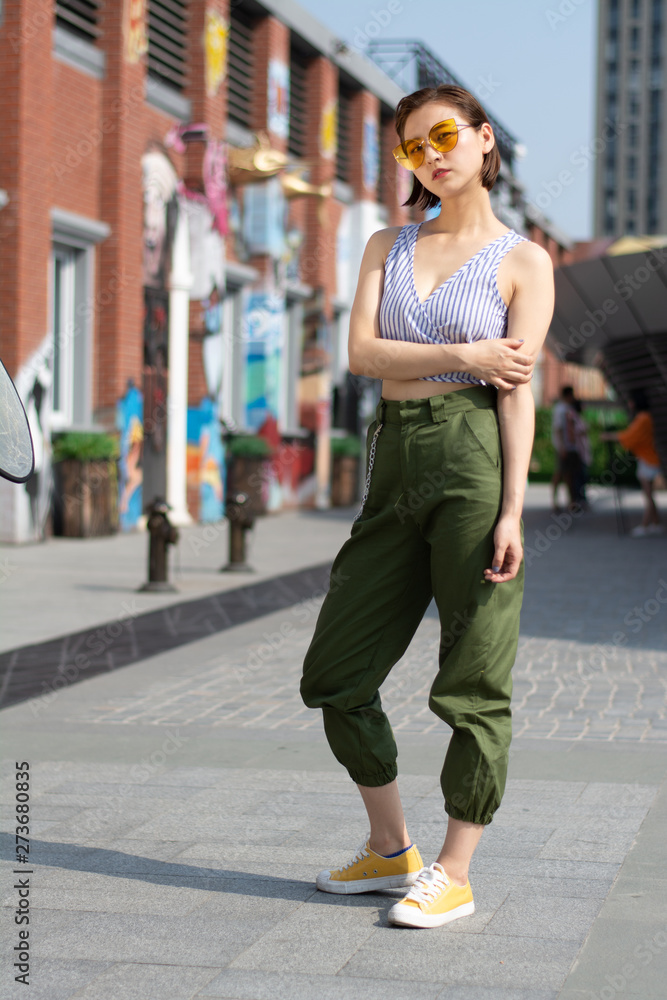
[(434, 492)]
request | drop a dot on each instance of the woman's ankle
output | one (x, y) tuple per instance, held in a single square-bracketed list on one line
[(384, 846)]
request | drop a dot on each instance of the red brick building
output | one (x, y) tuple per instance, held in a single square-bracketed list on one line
[(187, 192)]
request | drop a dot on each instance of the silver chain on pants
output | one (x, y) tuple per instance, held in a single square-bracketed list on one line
[(371, 459)]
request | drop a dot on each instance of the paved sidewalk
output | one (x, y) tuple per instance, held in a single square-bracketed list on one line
[(182, 805)]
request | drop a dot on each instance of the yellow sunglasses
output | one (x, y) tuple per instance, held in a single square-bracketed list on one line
[(442, 137)]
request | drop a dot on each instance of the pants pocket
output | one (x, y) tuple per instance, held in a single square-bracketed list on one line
[(484, 431)]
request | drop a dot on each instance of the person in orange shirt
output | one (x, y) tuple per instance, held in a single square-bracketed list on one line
[(638, 438)]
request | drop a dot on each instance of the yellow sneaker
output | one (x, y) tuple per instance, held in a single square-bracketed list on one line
[(432, 901), (368, 871)]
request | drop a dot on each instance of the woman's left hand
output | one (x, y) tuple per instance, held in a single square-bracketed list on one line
[(508, 551)]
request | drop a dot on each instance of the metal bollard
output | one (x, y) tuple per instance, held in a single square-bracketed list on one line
[(238, 511), (162, 533)]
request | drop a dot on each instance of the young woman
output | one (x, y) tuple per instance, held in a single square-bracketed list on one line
[(450, 314)]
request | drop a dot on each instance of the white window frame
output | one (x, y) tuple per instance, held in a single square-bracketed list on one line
[(73, 252), (63, 331)]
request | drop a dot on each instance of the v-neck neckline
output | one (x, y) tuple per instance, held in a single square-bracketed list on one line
[(465, 263)]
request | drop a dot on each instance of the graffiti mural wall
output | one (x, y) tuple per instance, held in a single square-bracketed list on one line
[(129, 422), (25, 507)]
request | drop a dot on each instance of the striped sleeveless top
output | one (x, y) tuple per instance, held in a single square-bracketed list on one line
[(466, 307)]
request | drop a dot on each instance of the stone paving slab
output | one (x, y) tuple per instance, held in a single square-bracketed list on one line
[(147, 981), (254, 985), (244, 909), (485, 960), (213, 812)]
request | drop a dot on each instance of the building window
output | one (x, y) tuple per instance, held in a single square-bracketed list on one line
[(297, 141), (167, 42), (636, 8), (632, 168), (241, 67), (63, 334), (634, 75), (631, 200), (633, 106), (79, 17), (657, 15), (634, 39), (71, 348), (345, 145), (630, 226)]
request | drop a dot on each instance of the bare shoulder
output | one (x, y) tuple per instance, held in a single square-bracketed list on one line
[(381, 242), (530, 260)]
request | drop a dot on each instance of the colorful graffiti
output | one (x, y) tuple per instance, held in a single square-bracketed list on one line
[(129, 421), (206, 460), (134, 26), (278, 98), (264, 324), (329, 130), (215, 48)]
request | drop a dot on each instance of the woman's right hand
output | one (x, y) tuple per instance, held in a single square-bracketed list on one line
[(499, 362)]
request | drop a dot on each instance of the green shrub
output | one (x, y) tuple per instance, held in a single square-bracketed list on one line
[(248, 445), (85, 447), (348, 445)]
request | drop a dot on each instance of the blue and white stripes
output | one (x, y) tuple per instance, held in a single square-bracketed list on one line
[(466, 307)]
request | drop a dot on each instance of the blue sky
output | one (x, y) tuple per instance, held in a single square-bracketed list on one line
[(531, 62)]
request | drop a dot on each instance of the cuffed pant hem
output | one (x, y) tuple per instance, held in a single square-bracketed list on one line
[(469, 816), (374, 780)]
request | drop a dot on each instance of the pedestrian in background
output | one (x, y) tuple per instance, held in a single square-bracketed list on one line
[(564, 440), (638, 438), (585, 454)]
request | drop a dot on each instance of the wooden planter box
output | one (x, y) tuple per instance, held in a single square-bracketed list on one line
[(85, 501), (248, 474), (344, 480)]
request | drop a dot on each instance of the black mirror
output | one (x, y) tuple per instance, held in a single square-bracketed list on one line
[(17, 458)]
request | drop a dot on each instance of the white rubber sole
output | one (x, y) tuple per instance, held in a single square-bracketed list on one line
[(410, 916), (326, 884)]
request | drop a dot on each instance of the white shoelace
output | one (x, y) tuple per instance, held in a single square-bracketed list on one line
[(430, 882), (362, 852)]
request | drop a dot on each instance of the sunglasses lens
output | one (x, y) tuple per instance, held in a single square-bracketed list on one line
[(413, 154), (443, 137), (401, 157)]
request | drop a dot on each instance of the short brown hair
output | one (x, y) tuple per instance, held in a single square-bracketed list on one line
[(472, 111)]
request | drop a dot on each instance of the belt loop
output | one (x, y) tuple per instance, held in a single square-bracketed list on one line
[(437, 404), (382, 410)]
